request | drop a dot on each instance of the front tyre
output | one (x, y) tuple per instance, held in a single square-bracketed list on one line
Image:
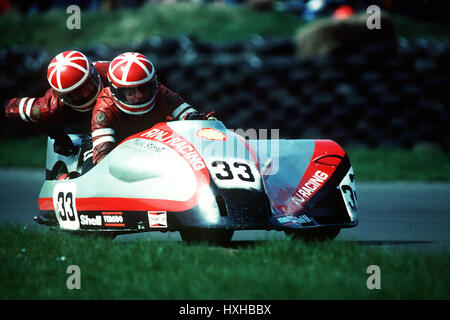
[(314, 234), (212, 236)]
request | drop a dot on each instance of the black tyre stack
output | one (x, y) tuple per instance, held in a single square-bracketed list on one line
[(372, 97)]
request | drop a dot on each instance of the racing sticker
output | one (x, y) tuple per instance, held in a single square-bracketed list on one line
[(64, 195), (157, 219), (211, 134), (113, 219), (90, 221), (300, 220)]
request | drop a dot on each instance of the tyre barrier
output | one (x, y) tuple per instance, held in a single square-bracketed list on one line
[(362, 98)]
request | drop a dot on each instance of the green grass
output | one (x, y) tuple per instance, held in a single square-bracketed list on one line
[(380, 164), (388, 164), (34, 266), (28, 153), (206, 22)]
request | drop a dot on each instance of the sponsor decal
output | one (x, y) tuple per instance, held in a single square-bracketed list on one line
[(182, 146), (106, 219), (113, 219), (305, 192), (303, 219), (157, 219), (315, 176), (148, 145), (86, 221), (211, 134)]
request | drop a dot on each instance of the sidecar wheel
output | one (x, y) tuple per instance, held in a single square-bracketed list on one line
[(95, 234), (213, 236), (314, 234)]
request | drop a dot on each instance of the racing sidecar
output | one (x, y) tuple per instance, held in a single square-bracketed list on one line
[(205, 181)]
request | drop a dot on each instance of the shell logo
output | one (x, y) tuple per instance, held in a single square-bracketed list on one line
[(211, 134)]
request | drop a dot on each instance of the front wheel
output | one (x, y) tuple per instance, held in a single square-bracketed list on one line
[(213, 236), (314, 234)]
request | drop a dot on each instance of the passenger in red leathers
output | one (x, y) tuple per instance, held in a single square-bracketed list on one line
[(133, 102), (67, 106)]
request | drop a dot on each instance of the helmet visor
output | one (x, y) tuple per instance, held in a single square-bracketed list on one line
[(135, 95), (84, 93)]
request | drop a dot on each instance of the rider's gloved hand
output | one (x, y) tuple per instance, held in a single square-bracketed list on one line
[(199, 116), (64, 145), (194, 116), (211, 116)]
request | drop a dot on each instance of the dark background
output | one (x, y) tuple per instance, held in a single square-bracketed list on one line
[(376, 93)]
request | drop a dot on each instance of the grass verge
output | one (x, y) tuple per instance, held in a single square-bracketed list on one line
[(208, 22), (125, 26), (34, 266), (29, 153), (380, 164), (389, 164)]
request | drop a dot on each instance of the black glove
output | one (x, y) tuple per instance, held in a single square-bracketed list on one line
[(64, 145), (199, 116)]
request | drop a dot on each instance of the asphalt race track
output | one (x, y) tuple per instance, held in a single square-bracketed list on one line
[(394, 215)]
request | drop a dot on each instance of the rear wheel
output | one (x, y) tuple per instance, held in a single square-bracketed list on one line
[(108, 235), (314, 234), (214, 236)]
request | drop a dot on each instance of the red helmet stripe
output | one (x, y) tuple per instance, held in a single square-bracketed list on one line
[(127, 70), (131, 59), (75, 66), (116, 65)]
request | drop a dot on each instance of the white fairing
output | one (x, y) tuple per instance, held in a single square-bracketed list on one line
[(154, 162), (137, 168), (71, 162), (167, 164), (229, 162)]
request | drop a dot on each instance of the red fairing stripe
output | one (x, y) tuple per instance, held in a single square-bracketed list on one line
[(123, 204), (164, 134), (314, 177)]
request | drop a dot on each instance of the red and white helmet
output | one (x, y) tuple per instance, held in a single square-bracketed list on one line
[(75, 79), (133, 84)]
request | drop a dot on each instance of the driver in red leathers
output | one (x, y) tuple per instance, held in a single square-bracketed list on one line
[(67, 106), (133, 102)]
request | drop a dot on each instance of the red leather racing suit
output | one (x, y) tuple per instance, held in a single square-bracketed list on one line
[(110, 125), (50, 115)]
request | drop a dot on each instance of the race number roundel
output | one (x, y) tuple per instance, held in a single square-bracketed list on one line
[(64, 195)]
